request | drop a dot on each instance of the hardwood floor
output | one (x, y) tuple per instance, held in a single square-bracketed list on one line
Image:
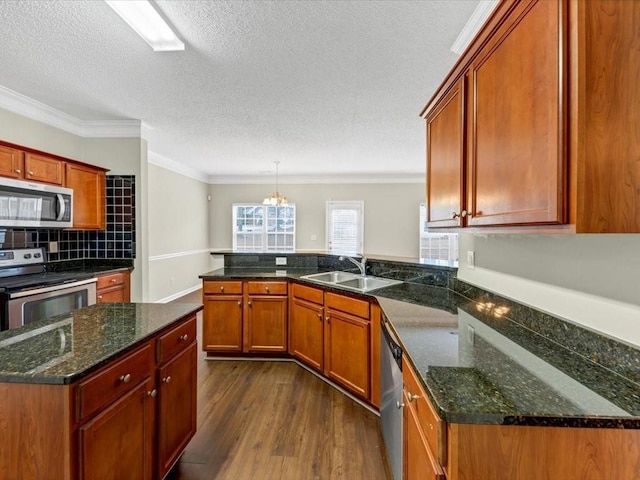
[(274, 420)]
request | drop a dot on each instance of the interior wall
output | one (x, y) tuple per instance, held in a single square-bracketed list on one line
[(593, 280), (391, 213), (178, 233)]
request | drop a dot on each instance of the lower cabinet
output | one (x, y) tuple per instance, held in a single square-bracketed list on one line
[(306, 325), (113, 288), (418, 459), (125, 430), (249, 317)]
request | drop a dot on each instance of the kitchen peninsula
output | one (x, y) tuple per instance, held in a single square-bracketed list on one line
[(492, 388), (117, 378)]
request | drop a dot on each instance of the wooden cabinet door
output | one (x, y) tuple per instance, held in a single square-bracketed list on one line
[(222, 323), (445, 160), (111, 295), (266, 324), (517, 130), (11, 162), (118, 443), (176, 407), (346, 352), (306, 333), (418, 459), (40, 168), (89, 192)]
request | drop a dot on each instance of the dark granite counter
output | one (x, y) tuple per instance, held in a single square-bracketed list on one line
[(65, 348), (480, 362)]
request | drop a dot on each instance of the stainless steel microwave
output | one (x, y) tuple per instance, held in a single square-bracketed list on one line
[(29, 204)]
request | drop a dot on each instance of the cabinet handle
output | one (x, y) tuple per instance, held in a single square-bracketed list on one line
[(167, 379), (462, 214), (18, 170), (183, 338), (267, 289), (222, 289), (30, 172), (125, 378), (249, 303), (99, 297), (320, 316), (152, 393), (239, 303), (412, 397), (113, 280), (399, 405), (327, 319)]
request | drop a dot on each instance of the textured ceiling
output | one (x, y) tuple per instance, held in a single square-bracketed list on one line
[(326, 88)]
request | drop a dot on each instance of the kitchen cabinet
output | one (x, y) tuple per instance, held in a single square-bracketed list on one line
[(113, 288), (533, 115), (11, 162), (248, 317), (306, 325), (89, 196), (42, 168), (418, 459), (347, 333)]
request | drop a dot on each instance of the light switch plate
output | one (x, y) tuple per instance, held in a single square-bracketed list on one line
[(281, 260)]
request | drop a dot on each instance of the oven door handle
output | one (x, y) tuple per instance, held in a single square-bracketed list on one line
[(61, 207), (52, 288)]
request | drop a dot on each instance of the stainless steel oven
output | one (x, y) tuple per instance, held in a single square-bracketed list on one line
[(37, 303), (29, 292)]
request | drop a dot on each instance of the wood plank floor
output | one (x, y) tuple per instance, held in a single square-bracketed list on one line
[(276, 421)]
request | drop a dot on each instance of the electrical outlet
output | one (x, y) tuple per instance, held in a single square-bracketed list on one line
[(471, 335), (471, 260), (281, 260), (53, 247)]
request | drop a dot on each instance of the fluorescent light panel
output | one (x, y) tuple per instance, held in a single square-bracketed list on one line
[(476, 20), (147, 22)]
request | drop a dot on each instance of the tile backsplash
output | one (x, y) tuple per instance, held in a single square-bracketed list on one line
[(118, 240)]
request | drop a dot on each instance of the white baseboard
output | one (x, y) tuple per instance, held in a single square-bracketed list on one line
[(179, 294)]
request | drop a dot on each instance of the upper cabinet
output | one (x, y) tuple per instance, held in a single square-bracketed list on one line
[(535, 128), (88, 182)]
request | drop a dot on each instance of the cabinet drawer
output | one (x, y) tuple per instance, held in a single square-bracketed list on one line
[(430, 423), (309, 294), (110, 280), (267, 288), (176, 340), (222, 288), (346, 304), (104, 387)]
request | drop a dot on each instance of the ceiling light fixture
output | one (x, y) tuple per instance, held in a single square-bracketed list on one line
[(277, 198), (476, 20), (147, 22)]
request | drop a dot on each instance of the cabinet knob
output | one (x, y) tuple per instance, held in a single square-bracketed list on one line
[(267, 289), (99, 297), (152, 393), (18, 170), (239, 303), (462, 214), (125, 378), (222, 289), (30, 172), (399, 405), (412, 397), (320, 316), (113, 280), (327, 319), (167, 379), (184, 338)]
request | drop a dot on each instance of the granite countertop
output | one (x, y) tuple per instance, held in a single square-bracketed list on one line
[(478, 366), (65, 348)]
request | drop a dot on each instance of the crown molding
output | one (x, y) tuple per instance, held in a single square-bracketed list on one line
[(418, 177), (176, 167), (28, 107), (477, 18)]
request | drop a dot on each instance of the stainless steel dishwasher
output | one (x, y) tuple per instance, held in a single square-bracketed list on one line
[(391, 397)]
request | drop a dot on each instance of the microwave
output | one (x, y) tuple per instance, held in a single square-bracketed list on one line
[(28, 204)]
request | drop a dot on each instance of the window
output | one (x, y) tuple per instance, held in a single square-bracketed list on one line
[(264, 228), (436, 246), (345, 226)]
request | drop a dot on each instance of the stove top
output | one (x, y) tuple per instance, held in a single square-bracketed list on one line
[(25, 282)]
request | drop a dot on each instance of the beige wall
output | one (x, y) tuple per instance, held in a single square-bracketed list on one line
[(391, 213), (178, 233), (592, 280)]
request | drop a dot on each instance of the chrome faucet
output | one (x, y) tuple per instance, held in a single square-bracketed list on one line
[(362, 264)]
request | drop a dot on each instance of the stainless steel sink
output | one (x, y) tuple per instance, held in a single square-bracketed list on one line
[(351, 281)]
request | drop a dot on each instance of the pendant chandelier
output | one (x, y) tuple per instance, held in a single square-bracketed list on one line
[(276, 198)]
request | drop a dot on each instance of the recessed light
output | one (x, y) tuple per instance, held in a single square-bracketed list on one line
[(147, 22)]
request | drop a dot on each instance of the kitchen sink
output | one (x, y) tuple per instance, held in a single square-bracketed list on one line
[(352, 281)]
